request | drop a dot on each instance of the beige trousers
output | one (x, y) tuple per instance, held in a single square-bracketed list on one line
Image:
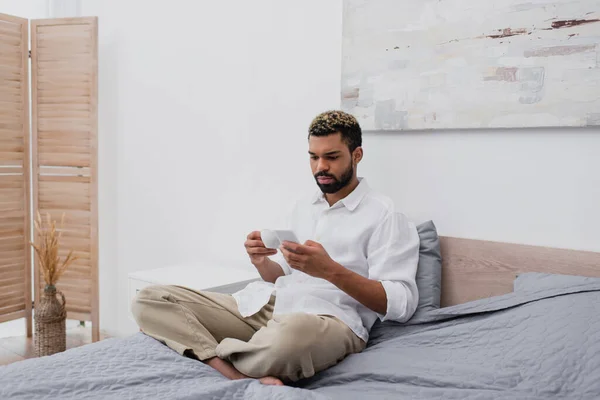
[(204, 325)]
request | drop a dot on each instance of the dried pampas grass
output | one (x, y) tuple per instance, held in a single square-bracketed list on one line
[(47, 248)]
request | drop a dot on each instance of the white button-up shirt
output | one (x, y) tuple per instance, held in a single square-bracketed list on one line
[(364, 233)]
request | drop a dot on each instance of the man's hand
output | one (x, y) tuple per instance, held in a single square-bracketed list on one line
[(268, 269), (310, 258), (256, 249)]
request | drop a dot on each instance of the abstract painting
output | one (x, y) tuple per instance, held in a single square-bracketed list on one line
[(433, 64)]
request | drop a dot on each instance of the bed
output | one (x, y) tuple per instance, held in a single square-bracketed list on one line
[(516, 322)]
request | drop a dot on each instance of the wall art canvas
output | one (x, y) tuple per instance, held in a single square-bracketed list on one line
[(456, 64)]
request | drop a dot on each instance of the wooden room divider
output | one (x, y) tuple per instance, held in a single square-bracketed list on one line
[(63, 173), (15, 176)]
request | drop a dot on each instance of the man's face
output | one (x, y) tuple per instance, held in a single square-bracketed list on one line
[(331, 162)]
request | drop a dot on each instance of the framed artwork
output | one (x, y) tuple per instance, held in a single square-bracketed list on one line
[(456, 64)]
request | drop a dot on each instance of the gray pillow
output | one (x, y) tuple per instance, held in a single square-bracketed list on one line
[(429, 271)]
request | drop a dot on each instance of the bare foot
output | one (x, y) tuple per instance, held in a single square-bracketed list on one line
[(230, 372), (270, 380)]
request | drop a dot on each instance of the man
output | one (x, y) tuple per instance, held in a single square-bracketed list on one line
[(318, 299)]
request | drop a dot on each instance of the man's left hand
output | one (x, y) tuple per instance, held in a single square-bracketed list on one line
[(310, 258)]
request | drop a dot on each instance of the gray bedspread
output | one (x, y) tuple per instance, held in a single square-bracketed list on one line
[(540, 342)]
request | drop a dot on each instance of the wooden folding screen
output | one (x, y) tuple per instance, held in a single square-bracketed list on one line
[(15, 260), (63, 159), (64, 138)]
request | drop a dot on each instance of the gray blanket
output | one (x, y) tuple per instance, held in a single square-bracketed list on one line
[(540, 342)]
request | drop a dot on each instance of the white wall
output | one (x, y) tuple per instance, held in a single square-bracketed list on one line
[(25, 9), (538, 186), (64, 8), (204, 108)]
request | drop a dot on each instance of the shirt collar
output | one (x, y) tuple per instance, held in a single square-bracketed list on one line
[(352, 200)]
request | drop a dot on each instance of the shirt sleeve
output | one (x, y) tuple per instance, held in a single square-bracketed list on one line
[(279, 259), (393, 256)]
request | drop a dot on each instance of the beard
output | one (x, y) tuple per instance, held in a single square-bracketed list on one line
[(337, 184)]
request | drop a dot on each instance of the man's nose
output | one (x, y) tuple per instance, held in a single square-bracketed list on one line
[(322, 166)]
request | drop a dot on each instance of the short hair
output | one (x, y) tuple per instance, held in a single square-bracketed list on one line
[(334, 121)]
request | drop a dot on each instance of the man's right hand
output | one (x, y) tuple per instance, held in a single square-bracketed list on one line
[(256, 249), (268, 269)]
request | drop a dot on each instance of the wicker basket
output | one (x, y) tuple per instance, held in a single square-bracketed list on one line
[(50, 323)]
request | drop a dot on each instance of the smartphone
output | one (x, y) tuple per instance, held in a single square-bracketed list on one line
[(274, 238)]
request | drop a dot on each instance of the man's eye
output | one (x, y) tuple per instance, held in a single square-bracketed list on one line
[(333, 158), (314, 157)]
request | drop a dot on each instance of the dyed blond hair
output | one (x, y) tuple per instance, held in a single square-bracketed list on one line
[(334, 121)]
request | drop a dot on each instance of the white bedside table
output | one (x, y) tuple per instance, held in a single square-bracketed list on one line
[(221, 277)]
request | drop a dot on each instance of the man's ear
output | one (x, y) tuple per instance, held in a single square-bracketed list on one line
[(357, 155)]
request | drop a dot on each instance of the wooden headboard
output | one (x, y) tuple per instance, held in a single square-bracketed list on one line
[(474, 269)]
